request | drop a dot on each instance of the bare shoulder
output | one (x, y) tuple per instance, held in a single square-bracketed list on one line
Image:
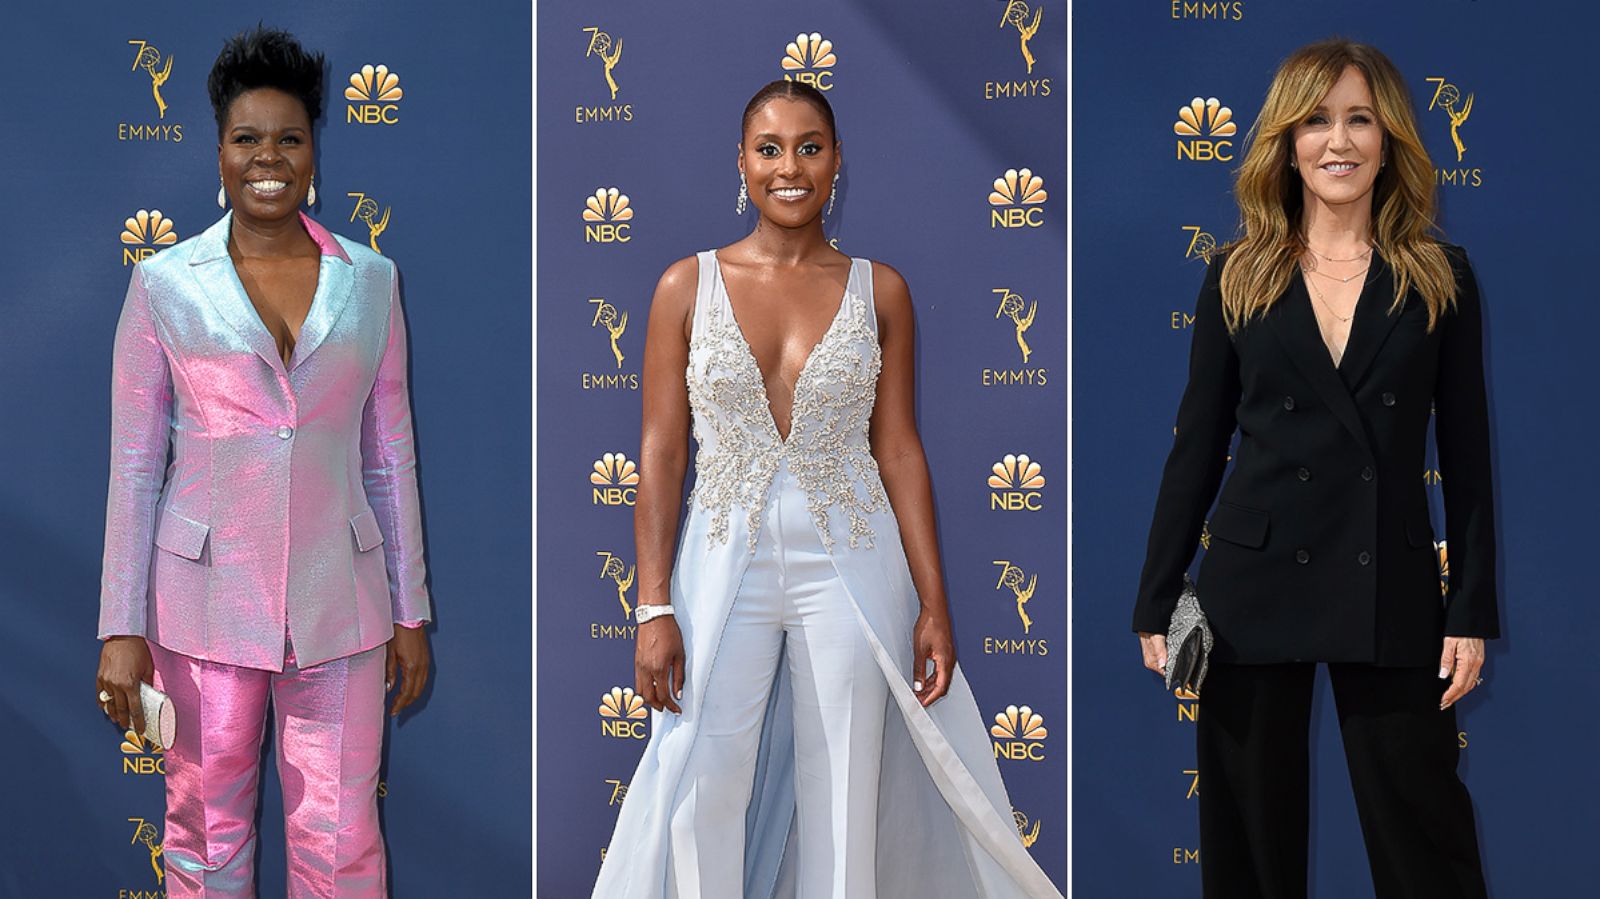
[(890, 294), (675, 290)]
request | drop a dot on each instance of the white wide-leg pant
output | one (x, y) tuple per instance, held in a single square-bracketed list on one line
[(790, 606)]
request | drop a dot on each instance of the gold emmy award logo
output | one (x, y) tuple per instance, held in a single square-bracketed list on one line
[(810, 58), (1199, 127), (606, 215), (609, 51), (1013, 194), (1011, 307), (143, 233), (622, 714), (1019, 734), (1444, 565), (1016, 481), (373, 93), (146, 833), (147, 57), (615, 480), (615, 323), (1201, 244), (1016, 15), (1445, 97), (141, 756), (1218, 10), (366, 210), (613, 567), (1011, 577), (1194, 782), (619, 791), (1029, 837)]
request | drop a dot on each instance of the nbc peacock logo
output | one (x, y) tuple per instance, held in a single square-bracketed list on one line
[(1015, 483), (144, 233), (374, 93), (1202, 127), (1188, 704), (141, 756), (1444, 565), (622, 714), (1019, 734), (614, 480), (810, 58), (606, 216), (1017, 200)]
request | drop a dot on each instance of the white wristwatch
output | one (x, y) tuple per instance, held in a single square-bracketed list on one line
[(646, 613)]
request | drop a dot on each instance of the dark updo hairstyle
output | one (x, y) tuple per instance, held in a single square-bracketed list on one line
[(265, 57), (793, 90)]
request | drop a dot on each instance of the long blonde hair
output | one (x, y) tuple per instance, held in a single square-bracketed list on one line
[(1271, 241)]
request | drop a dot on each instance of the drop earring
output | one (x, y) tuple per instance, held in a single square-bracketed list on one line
[(744, 195), (833, 194), (311, 195), (222, 194)]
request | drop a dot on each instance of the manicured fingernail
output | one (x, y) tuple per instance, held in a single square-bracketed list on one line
[(388, 685), (916, 685), (1444, 673)]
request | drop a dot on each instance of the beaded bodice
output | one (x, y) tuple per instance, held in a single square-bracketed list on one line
[(740, 450)]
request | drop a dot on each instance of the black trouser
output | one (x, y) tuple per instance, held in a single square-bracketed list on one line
[(1416, 816)]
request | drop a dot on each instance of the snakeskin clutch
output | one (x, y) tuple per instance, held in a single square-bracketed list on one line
[(1188, 642)]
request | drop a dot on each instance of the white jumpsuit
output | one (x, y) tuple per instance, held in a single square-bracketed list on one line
[(802, 766)]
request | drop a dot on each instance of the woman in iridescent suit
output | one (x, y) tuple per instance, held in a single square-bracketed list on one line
[(263, 537)]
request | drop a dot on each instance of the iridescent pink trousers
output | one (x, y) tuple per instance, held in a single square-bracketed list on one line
[(328, 722)]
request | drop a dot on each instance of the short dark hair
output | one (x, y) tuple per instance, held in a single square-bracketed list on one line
[(265, 57), (794, 90)]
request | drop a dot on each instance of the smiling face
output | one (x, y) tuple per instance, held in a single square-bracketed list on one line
[(266, 156), (789, 158), (1338, 149)]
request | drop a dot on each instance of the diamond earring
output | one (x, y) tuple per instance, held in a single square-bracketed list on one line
[(744, 195), (222, 194), (833, 194)]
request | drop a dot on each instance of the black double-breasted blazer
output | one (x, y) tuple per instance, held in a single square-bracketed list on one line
[(1321, 548)]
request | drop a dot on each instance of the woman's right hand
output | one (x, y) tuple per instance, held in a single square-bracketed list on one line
[(124, 664), (1154, 647), (658, 664)]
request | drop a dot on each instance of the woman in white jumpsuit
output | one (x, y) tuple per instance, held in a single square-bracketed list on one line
[(812, 734)]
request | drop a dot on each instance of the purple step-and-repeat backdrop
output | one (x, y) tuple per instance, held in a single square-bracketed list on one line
[(110, 149), (936, 102), (1499, 96)]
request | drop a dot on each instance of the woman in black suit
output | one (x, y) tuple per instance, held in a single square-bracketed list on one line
[(1328, 335)]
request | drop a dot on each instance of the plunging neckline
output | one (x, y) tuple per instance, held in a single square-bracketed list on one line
[(750, 353), (294, 336), (1306, 288)]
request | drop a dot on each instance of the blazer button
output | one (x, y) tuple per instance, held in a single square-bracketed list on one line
[(1302, 556), (1366, 473), (1305, 474), (1288, 403), (1388, 398), (286, 432), (1365, 558)]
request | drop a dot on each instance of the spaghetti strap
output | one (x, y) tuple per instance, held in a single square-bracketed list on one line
[(703, 294), (861, 271)]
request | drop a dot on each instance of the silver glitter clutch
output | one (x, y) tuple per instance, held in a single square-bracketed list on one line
[(1188, 642)]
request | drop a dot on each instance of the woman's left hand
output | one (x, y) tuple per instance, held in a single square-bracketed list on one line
[(932, 640), (1464, 656), (408, 654)]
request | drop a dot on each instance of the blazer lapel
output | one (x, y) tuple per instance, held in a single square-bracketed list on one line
[(1371, 326), (335, 278), (1295, 324), (221, 285)]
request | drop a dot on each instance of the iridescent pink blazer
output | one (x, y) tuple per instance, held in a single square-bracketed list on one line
[(250, 499)]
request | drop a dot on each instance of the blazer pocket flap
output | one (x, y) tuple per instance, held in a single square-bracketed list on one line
[(1237, 524), (365, 526), (181, 536), (1419, 532)]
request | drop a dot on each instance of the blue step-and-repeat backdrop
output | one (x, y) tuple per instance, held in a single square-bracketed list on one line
[(109, 151), (936, 103), (1500, 92)]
